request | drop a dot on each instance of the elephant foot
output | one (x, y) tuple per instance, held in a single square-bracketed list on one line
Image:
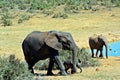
[(49, 73), (63, 73), (73, 71), (93, 56), (101, 57)]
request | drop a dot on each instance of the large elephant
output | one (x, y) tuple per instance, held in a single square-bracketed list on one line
[(41, 45), (98, 43)]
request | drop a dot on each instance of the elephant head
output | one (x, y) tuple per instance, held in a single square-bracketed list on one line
[(62, 41), (103, 41)]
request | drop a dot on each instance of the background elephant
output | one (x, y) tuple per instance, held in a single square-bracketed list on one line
[(68, 64), (98, 43), (41, 45)]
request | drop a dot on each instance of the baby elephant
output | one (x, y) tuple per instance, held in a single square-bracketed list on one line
[(68, 64)]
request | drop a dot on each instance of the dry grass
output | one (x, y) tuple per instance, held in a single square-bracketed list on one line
[(81, 26)]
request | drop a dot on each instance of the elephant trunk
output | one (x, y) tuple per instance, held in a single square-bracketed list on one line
[(106, 46)]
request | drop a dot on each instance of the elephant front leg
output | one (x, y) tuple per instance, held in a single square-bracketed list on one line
[(101, 53), (79, 66), (51, 64), (60, 64)]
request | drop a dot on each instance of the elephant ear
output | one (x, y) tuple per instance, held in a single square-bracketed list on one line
[(53, 42)]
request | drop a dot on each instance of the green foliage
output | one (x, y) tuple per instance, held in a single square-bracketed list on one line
[(60, 15), (48, 12), (23, 17), (47, 4), (49, 7), (83, 55), (116, 2), (12, 68), (86, 59), (6, 19)]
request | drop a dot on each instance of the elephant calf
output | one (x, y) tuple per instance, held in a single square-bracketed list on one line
[(68, 64)]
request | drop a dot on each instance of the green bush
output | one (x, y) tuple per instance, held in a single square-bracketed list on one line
[(60, 15), (23, 17), (83, 55), (47, 4), (86, 59), (6, 19), (12, 68)]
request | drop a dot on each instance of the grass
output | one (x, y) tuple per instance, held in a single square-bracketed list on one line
[(81, 26)]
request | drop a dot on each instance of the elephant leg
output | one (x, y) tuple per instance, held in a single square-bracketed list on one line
[(51, 64), (66, 66), (101, 53), (79, 66), (92, 53), (60, 64), (30, 67), (97, 53)]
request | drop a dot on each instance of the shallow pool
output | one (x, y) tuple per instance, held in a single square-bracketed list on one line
[(114, 49)]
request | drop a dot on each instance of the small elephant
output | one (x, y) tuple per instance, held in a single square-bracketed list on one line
[(98, 43), (68, 64), (41, 45)]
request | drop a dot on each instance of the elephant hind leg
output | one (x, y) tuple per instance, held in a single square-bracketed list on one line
[(30, 67), (31, 63), (51, 64)]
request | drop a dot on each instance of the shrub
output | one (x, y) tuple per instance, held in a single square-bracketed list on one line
[(12, 68), (60, 15), (6, 19), (86, 59), (48, 12), (83, 55), (23, 17)]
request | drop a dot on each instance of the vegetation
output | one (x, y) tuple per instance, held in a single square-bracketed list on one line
[(6, 19), (48, 4), (12, 68), (83, 55), (51, 7)]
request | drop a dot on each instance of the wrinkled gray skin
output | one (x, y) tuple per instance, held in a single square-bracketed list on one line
[(41, 45), (68, 64), (98, 43)]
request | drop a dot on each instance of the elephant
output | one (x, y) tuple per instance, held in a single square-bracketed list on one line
[(97, 43), (42, 45), (68, 64)]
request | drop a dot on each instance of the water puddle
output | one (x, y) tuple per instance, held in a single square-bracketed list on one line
[(113, 49)]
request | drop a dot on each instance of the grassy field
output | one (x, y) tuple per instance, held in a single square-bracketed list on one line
[(81, 26)]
